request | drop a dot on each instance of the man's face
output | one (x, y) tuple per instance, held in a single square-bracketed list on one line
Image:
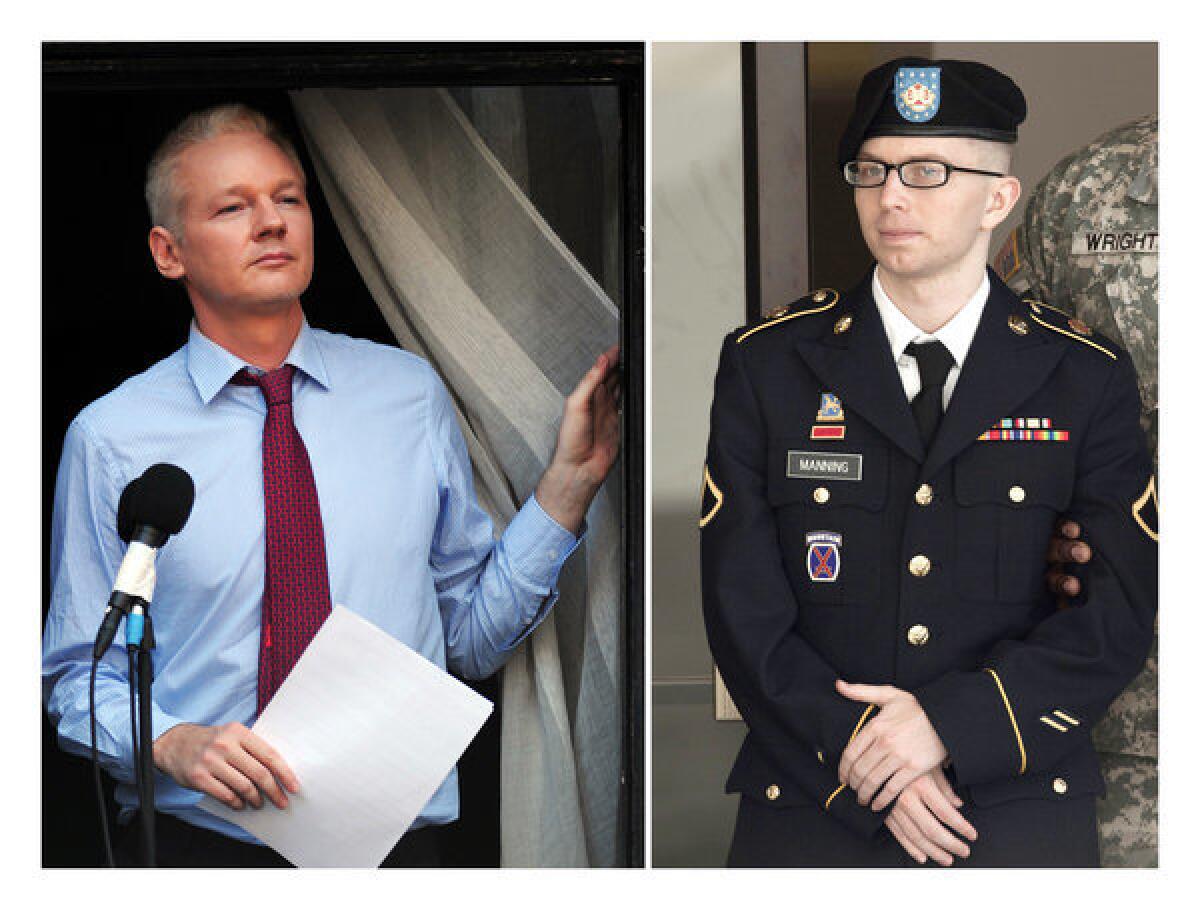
[(246, 244), (926, 233)]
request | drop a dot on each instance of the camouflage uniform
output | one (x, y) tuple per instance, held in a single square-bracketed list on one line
[(1089, 244)]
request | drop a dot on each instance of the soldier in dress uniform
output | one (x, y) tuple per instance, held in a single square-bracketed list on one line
[(885, 468), (1089, 241)]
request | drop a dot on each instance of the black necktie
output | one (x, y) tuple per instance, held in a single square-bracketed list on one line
[(934, 363)]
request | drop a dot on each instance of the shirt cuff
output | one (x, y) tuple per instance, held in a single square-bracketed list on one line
[(537, 545), (160, 723), (117, 728)]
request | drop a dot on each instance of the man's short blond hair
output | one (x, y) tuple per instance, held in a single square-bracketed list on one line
[(997, 156), (162, 196)]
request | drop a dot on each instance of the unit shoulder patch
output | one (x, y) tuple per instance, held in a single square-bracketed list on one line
[(1063, 323), (816, 302)]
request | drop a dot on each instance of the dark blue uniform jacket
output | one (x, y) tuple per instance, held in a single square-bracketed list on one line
[(867, 558)]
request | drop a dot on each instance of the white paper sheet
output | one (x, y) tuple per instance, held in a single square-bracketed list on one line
[(371, 729)]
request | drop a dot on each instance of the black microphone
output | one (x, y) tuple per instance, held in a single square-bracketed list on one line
[(151, 509)]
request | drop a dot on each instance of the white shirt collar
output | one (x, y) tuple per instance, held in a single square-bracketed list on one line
[(956, 334)]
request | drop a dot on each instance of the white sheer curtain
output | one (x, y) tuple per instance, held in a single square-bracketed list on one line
[(469, 276)]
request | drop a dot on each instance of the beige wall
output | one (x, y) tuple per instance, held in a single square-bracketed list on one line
[(698, 260), (698, 252)]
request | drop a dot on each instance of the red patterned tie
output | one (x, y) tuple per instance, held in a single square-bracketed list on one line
[(296, 593)]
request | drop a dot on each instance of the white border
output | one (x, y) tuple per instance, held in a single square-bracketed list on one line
[(221, 20)]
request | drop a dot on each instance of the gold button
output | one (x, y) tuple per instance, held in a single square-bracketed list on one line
[(773, 792), (1016, 494), (1060, 786), (918, 635), (924, 495), (1081, 327), (821, 495), (1018, 325), (843, 325), (820, 756), (920, 565), (819, 297)]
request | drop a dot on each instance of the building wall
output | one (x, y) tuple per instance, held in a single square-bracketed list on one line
[(698, 266)]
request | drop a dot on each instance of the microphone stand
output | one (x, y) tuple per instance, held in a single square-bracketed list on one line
[(139, 639), (152, 507)]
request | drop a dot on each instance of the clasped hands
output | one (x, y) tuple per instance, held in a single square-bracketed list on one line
[(897, 756), (897, 759)]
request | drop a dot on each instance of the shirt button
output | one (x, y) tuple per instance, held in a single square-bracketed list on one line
[(820, 756), (1060, 786), (920, 565), (1016, 494), (924, 495), (918, 635), (773, 792), (821, 495)]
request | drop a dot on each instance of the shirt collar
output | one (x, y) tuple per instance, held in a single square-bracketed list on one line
[(956, 334), (211, 366)]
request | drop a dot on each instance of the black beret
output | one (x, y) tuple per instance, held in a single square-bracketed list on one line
[(913, 96)]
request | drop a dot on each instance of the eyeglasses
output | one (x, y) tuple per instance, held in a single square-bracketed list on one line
[(919, 174)]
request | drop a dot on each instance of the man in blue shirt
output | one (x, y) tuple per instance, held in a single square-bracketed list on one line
[(407, 545)]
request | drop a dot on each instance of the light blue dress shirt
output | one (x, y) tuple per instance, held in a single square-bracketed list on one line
[(408, 546)]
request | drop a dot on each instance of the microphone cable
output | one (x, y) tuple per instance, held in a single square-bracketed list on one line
[(100, 802), (108, 853), (133, 732)]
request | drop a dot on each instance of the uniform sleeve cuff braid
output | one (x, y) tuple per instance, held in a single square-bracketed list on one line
[(977, 723), (842, 803)]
